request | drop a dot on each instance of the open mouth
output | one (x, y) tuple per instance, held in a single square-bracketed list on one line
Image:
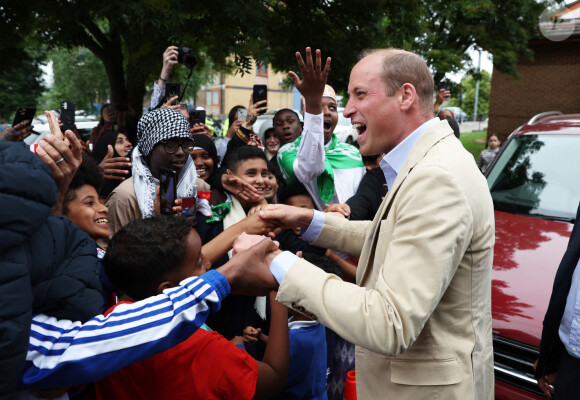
[(327, 126), (361, 129), (102, 222), (201, 171)]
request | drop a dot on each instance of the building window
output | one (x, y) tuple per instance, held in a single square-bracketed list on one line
[(261, 68), (212, 97)]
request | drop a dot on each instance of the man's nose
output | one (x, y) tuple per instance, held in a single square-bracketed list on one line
[(348, 110)]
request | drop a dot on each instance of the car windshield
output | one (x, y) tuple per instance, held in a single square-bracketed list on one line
[(537, 176)]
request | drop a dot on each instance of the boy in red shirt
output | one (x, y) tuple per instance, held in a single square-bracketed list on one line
[(148, 256)]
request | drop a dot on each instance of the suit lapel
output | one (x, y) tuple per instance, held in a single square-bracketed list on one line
[(429, 138)]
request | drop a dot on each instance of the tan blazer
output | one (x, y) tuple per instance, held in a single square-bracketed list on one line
[(421, 313)]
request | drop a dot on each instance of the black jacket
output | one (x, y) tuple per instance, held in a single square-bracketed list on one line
[(366, 201), (47, 264), (551, 346)]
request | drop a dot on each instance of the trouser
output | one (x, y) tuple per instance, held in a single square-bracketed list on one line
[(566, 384)]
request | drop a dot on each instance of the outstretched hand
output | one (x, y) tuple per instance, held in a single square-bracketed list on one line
[(62, 154), (17, 133), (338, 209), (313, 80), (113, 166), (169, 61), (254, 109), (287, 216), (248, 270)]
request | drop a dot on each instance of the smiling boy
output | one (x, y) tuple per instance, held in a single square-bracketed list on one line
[(81, 203), (249, 164)]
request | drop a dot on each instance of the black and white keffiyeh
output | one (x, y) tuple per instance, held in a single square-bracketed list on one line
[(160, 124), (155, 126)]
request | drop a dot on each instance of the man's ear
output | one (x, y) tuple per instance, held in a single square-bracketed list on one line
[(164, 285), (228, 171), (408, 96)]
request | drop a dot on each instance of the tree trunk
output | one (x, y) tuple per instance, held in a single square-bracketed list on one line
[(135, 93)]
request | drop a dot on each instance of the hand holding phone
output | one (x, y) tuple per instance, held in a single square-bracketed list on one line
[(67, 115), (197, 117), (168, 190), (260, 92), (24, 114), (242, 114), (173, 89)]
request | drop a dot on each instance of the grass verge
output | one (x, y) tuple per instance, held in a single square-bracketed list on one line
[(474, 142)]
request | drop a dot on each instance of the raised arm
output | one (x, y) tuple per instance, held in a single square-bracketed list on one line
[(224, 242), (273, 370), (169, 61), (64, 353), (310, 156)]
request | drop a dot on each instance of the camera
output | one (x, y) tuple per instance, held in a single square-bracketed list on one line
[(186, 56)]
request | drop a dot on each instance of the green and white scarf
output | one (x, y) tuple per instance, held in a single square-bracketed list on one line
[(338, 155)]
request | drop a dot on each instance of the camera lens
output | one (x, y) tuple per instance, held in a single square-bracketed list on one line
[(186, 56)]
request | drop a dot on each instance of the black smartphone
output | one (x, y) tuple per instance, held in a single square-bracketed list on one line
[(260, 93), (67, 115), (196, 117), (173, 89), (167, 189), (24, 114)]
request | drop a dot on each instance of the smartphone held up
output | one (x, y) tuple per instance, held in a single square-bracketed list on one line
[(260, 92), (197, 117), (24, 114), (242, 114), (173, 89), (167, 190), (67, 115)]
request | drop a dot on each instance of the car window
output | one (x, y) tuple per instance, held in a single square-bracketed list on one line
[(537, 175)]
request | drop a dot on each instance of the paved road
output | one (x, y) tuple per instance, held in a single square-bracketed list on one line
[(466, 127)]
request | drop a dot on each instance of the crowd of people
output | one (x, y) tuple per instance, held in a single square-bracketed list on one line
[(284, 250)]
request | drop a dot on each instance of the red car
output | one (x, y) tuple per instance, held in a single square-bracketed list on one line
[(535, 185)]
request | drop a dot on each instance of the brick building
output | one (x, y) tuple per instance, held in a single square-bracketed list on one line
[(548, 82), (228, 90)]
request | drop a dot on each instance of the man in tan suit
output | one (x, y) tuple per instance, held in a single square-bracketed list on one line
[(420, 312)]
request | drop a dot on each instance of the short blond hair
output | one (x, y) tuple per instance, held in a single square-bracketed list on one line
[(400, 67)]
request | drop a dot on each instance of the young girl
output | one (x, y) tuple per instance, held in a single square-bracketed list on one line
[(487, 155)]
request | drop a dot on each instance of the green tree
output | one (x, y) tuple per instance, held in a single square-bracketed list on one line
[(466, 88), (503, 28), (79, 77), (21, 84), (130, 36)]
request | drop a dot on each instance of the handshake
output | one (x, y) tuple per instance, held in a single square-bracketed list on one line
[(248, 271)]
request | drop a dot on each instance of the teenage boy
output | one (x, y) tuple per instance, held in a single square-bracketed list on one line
[(249, 164), (330, 170), (146, 258)]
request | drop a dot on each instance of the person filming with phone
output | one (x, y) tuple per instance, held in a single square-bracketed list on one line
[(163, 142)]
